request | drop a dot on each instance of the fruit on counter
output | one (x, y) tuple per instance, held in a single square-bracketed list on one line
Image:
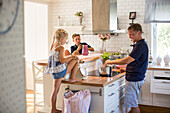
[(116, 53)]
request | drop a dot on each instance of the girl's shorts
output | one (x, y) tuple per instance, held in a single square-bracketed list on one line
[(59, 75)]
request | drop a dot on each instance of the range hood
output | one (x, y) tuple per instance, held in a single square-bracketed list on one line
[(112, 32)]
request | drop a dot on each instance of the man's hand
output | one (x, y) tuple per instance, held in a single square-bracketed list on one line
[(122, 70), (106, 62)]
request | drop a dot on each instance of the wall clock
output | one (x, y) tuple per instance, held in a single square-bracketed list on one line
[(8, 14)]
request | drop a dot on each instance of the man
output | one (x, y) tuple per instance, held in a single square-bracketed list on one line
[(77, 48), (137, 63)]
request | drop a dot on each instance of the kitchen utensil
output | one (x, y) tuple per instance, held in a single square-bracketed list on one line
[(106, 71)]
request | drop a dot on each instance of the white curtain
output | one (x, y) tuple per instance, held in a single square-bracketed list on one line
[(157, 11)]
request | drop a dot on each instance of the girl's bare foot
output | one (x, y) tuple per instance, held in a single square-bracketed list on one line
[(55, 111), (75, 80)]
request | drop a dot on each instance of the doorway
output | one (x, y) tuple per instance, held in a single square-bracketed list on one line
[(36, 41)]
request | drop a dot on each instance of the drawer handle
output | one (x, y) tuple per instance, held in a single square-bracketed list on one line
[(165, 82), (121, 87), (121, 81), (111, 94), (112, 111), (111, 85), (167, 72)]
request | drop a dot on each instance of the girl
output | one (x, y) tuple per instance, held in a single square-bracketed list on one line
[(59, 66)]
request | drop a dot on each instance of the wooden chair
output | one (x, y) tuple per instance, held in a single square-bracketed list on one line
[(38, 73)]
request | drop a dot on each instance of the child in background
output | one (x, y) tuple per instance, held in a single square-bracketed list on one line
[(59, 66), (77, 48)]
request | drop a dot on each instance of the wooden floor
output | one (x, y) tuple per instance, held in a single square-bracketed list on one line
[(153, 109), (30, 101), (143, 108)]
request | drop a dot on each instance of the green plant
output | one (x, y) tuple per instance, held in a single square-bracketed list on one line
[(79, 13), (106, 55)]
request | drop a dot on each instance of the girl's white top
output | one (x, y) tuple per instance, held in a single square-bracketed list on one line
[(54, 65)]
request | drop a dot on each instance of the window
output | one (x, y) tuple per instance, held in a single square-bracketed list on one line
[(161, 39)]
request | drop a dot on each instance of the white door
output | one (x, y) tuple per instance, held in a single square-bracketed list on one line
[(36, 36)]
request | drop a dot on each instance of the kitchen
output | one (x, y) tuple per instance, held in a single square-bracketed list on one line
[(65, 9)]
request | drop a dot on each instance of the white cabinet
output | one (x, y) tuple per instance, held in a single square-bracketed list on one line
[(145, 96), (160, 88), (160, 82), (108, 99), (161, 100), (155, 90)]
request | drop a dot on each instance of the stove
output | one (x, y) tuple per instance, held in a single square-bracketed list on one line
[(96, 73)]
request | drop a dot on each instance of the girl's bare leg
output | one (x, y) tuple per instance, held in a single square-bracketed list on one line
[(73, 67), (56, 86)]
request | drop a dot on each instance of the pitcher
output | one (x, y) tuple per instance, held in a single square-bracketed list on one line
[(84, 50)]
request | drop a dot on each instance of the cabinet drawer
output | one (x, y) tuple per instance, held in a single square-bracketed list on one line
[(111, 109), (121, 81), (119, 107), (111, 98), (121, 91), (160, 86), (111, 87), (162, 74)]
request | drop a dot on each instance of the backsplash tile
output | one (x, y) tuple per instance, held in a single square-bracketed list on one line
[(65, 9)]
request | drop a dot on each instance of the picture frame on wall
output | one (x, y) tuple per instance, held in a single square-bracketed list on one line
[(132, 15)]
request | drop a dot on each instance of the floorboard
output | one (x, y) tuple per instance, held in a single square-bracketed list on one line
[(143, 108)]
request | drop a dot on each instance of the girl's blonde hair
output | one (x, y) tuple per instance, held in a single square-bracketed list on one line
[(60, 33)]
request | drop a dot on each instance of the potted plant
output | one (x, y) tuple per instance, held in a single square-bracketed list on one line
[(105, 56), (80, 16), (104, 37)]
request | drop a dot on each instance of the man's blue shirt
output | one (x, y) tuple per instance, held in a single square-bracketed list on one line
[(135, 71)]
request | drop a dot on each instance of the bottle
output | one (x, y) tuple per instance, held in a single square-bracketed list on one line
[(58, 21), (150, 58)]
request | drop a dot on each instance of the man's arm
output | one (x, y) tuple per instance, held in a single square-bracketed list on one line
[(126, 60)]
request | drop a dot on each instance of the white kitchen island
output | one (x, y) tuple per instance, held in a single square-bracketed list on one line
[(107, 92)]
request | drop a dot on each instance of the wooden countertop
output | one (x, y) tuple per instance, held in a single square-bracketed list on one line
[(87, 58), (159, 67), (96, 81)]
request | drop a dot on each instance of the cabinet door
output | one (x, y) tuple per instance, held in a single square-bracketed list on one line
[(160, 85), (161, 100), (145, 96)]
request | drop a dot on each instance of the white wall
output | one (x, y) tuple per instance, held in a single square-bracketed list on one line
[(66, 8), (36, 36), (12, 73)]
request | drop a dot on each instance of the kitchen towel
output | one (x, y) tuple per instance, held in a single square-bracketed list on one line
[(78, 102)]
